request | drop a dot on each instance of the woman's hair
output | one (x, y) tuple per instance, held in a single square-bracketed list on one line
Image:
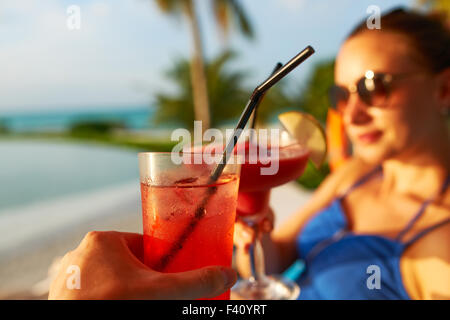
[(428, 35)]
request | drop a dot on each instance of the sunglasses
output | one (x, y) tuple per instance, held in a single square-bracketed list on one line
[(373, 89)]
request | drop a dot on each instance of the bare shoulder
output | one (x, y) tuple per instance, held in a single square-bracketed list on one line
[(335, 182), (444, 201), (350, 173), (426, 264)]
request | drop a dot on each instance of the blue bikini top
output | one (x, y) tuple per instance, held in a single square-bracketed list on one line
[(342, 265)]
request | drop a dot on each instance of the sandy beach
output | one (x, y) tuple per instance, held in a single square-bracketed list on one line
[(35, 235), (25, 257)]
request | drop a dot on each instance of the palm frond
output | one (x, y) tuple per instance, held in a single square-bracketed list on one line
[(243, 21), (221, 13), (167, 6)]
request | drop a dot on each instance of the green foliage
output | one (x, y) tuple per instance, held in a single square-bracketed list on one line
[(169, 6), (140, 146), (314, 97), (176, 108), (120, 141), (227, 95), (4, 129), (276, 101), (313, 177), (442, 6), (314, 100), (225, 11), (94, 128)]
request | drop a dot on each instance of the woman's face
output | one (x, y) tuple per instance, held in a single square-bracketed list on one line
[(403, 123)]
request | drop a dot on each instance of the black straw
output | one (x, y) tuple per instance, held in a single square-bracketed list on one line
[(255, 112), (253, 102)]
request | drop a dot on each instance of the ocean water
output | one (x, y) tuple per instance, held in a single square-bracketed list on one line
[(48, 188), (38, 171), (133, 118)]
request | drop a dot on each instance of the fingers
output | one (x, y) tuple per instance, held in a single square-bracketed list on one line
[(120, 241), (131, 238), (266, 225), (135, 280), (135, 243), (243, 235), (207, 282)]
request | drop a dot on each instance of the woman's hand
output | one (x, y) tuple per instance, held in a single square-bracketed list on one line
[(245, 234), (110, 267)]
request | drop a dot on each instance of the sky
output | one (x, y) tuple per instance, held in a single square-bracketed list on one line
[(118, 56)]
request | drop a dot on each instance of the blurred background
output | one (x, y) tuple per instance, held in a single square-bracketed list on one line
[(86, 84)]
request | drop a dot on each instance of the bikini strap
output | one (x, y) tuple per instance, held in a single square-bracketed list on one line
[(422, 210), (425, 231), (361, 181)]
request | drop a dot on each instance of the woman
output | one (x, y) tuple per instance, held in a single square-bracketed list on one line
[(385, 213), (388, 207)]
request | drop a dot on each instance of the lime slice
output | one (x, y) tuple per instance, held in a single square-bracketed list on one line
[(308, 132)]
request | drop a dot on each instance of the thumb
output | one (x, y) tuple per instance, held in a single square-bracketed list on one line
[(206, 282)]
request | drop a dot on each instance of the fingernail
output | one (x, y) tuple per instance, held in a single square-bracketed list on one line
[(229, 276)]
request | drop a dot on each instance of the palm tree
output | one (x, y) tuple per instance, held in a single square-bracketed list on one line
[(227, 93), (225, 87), (224, 10), (314, 96), (439, 6), (443, 5)]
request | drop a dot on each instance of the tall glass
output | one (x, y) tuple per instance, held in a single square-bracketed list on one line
[(188, 221)]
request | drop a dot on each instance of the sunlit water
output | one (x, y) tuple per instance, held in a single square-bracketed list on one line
[(34, 171)]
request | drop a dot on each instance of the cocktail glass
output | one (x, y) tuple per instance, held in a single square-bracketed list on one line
[(188, 222), (253, 200)]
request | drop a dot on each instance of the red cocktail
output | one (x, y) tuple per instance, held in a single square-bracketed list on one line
[(175, 239), (289, 161), (254, 187)]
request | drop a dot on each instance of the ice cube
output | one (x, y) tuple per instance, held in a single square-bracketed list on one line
[(186, 180)]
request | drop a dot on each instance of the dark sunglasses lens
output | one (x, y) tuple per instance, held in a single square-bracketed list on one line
[(338, 97), (372, 91)]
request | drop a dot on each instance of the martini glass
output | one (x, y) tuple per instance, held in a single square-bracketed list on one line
[(253, 200), (257, 95)]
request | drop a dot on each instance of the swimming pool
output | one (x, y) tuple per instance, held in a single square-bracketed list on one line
[(50, 188), (37, 171)]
